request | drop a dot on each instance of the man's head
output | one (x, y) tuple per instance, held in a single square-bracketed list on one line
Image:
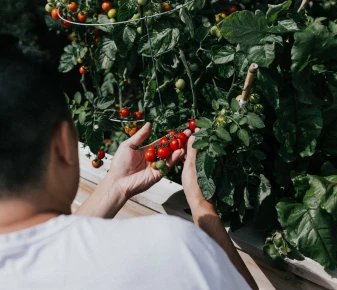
[(38, 142)]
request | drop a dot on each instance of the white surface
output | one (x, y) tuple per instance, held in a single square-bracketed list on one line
[(247, 239), (156, 252)]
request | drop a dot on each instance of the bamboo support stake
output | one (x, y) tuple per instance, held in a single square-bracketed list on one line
[(303, 5), (252, 71)]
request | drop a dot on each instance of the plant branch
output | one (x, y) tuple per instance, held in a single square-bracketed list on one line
[(183, 58)]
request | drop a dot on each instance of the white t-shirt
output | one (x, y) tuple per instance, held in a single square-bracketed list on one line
[(156, 252)]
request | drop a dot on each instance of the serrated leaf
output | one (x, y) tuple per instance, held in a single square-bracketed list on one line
[(223, 54), (269, 86), (201, 133), (244, 27), (126, 10), (107, 53), (275, 10), (124, 36), (89, 96), (186, 18), (68, 58), (78, 98), (243, 136), (223, 134), (264, 190), (263, 55), (243, 121), (217, 148), (235, 105), (209, 164), (103, 104), (200, 143), (203, 123), (254, 120), (162, 42), (233, 128), (311, 231)]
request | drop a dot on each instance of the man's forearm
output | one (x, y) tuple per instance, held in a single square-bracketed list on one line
[(106, 201), (205, 216)]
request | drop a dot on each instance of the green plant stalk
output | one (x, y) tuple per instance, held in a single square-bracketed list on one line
[(82, 81), (194, 95)]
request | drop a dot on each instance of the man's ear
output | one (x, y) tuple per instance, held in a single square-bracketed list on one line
[(64, 141)]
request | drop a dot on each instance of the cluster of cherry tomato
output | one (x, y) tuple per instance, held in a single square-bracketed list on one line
[(125, 113), (157, 155), (223, 14), (132, 128), (98, 162)]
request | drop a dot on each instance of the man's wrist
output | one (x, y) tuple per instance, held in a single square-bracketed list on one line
[(201, 206)]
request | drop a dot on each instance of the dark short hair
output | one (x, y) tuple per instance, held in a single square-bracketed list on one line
[(32, 106)]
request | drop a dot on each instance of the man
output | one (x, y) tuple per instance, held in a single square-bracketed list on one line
[(43, 246)]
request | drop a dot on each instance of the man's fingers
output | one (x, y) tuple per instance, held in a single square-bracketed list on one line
[(139, 137), (176, 157)]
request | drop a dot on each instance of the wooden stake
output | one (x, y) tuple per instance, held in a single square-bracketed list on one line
[(252, 71)]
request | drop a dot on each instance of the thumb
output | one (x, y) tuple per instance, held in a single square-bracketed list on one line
[(191, 152), (139, 137)]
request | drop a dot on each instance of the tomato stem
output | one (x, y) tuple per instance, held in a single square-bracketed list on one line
[(194, 95), (82, 81)]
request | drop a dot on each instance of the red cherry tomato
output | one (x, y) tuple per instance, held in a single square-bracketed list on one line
[(72, 6), (82, 70), (191, 124), (97, 163), (138, 115), (100, 154), (172, 133), (231, 9), (163, 140), (124, 113), (82, 16), (66, 24), (183, 138), (150, 156), (164, 152), (151, 149), (176, 144), (54, 13), (106, 5)]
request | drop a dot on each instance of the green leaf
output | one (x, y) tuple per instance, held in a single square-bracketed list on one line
[(223, 134), (235, 105), (311, 231), (126, 10), (328, 138), (89, 96), (330, 204), (225, 71), (203, 123), (254, 120), (209, 164), (263, 191), (243, 121), (217, 149), (284, 26), (233, 128), (244, 27), (124, 37), (162, 42), (68, 58), (104, 104), (78, 98), (186, 18), (200, 143), (107, 53), (225, 190), (206, 184), (258, 154), (273, 256), (269, 86), (81, 117), (241, 64), (315, 42), (201, 133), (108, 84), (223, 54), (263, 55), (215, 105), (243, 136), (275, 10), (94, 138), (202, 32)]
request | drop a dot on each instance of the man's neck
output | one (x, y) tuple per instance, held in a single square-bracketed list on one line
[(17, 214)]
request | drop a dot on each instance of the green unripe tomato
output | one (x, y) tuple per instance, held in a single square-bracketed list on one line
[(154, 165), (180, 84), (65, 1), (164, 170), (258, 109), (245, 111), (214, 30), (141, 2), (255, 98), (178, 91), (135, 16), (49, 7), (112, 20), (238, 98), (112, 13), (51, 1), (160, 164), (193, 67), (139, 30)]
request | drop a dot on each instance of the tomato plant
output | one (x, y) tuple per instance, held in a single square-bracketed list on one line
[(260, 161)]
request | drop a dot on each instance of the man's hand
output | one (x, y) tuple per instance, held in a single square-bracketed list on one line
[(130, 171)]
